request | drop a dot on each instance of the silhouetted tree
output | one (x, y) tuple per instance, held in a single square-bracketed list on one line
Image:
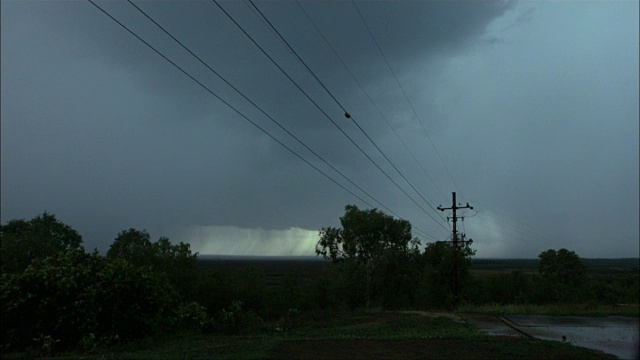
[(563, 271), (366, 238), (23, 242), (438, 276), (175, 262), (133, 246)]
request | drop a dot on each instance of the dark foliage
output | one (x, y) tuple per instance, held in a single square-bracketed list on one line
[(56, 297), (24, 242)]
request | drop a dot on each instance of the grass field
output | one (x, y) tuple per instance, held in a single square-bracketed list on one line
[(363, 335)]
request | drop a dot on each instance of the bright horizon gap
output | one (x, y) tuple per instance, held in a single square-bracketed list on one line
[(234, 241)]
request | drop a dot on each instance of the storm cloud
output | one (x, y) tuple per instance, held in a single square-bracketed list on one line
[(531, 112)]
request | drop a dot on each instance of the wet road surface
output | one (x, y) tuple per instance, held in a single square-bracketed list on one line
[(614, 335)]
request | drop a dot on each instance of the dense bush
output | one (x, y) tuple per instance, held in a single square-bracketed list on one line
[(49, 299), (513, 288), (212, 290), (56, 296), (343, 285), (174, 262), (24, 242), (395, 279), (437, 278), (71, 295)]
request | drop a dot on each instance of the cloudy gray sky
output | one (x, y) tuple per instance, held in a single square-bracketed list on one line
[(528, 110)]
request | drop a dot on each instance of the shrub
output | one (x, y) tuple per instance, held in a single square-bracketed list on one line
[(72, 295), (212, 290), (341, 286), (192, 316), (51, 299), (236, 318)]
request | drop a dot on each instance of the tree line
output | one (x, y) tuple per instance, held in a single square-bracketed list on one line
[(56, 296)]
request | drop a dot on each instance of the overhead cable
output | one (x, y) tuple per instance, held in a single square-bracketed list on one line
[(353, 119), (325, 114), (256, 106), (225, 102), (335, 52), (232, 107), (405, 95)]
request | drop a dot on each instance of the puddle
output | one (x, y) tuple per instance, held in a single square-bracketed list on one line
[(616, 335), (621, 342)]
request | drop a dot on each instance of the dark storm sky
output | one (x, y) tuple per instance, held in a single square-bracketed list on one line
[(530, 111)]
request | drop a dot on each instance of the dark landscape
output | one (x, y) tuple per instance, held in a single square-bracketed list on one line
[(356, 179), (155, 299)]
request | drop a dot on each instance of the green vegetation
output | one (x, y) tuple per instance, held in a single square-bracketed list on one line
[(30, 242), (375, 250), (376, 263), (328, 335), (150, 299), (57, 297)]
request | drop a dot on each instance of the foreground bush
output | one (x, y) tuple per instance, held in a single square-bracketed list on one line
[(55, 296), (74, 296)]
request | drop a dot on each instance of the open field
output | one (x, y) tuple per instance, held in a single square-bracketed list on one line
[(594, 266), (275, 268), (310, 267), (354, 335)]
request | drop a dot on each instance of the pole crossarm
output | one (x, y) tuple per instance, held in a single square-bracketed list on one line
[(454, 207)]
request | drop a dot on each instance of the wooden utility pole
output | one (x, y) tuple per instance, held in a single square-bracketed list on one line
[(454, 207)]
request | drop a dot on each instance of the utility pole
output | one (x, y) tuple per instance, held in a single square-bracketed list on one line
[(454, 207)]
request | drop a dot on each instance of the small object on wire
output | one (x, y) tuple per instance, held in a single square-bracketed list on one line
[(347, 115)]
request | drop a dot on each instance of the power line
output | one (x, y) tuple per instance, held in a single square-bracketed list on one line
[(260, 109), (405, 94), (258, 16), (224, 102), (233, 108), (323, 112), (256, 106), (345, 110), (335, 52)]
